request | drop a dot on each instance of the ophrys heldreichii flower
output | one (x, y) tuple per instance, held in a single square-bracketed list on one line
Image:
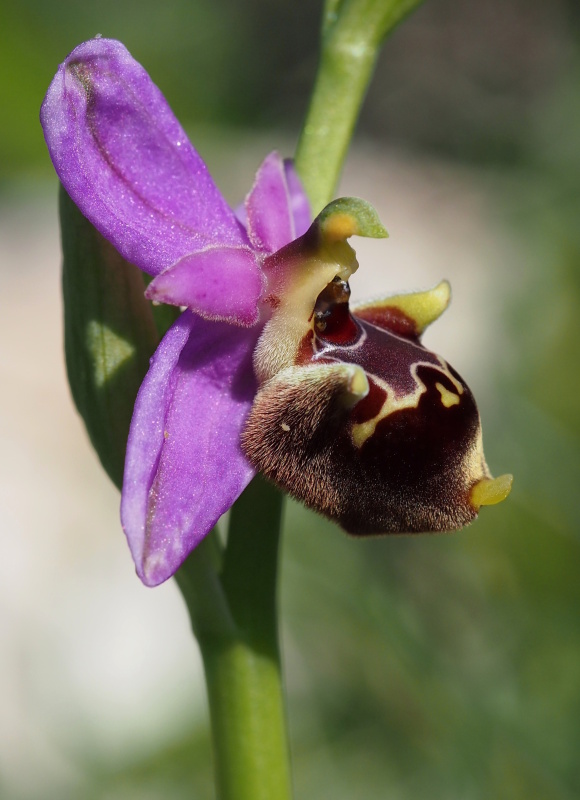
[(267, 368)]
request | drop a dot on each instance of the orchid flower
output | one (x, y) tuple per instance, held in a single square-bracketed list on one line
[(268, 368)]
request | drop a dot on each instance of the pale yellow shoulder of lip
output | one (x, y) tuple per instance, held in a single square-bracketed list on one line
[(422, 307)]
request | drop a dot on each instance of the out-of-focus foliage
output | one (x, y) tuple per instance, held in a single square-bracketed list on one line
[(461, 79), (220, 62), (443, 667)]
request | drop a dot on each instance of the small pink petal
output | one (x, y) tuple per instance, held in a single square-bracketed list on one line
[(299, 204), (219, 283), (268, 207)]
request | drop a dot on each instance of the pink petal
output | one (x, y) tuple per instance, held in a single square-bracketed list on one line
[(299, 204), (271, 203), (219, 283)]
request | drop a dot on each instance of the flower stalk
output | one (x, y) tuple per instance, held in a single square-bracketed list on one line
[(352, 34), (231, 596)]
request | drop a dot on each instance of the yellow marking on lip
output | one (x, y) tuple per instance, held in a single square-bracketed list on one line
[(362, 431), (359, 384), (447, 398)]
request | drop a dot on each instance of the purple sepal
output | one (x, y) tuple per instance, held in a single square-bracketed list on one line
[(127, 163), (184, 465), (222, 283)]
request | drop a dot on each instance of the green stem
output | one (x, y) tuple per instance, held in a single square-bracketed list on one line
[(353, 31), (202, 590), (233, 611)]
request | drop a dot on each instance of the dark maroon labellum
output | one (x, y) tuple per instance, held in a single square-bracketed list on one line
[(401, 459), (354, 416)]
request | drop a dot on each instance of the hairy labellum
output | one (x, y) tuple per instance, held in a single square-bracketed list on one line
[(356, 417)]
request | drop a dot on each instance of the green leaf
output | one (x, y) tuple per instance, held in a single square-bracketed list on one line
[(110, 334)]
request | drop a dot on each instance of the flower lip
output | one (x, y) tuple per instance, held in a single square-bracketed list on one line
[(403, 453)]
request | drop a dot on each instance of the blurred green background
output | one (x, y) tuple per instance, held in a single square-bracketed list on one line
[(430, 667)]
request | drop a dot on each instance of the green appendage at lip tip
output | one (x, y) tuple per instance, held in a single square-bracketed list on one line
[(490, 491)]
